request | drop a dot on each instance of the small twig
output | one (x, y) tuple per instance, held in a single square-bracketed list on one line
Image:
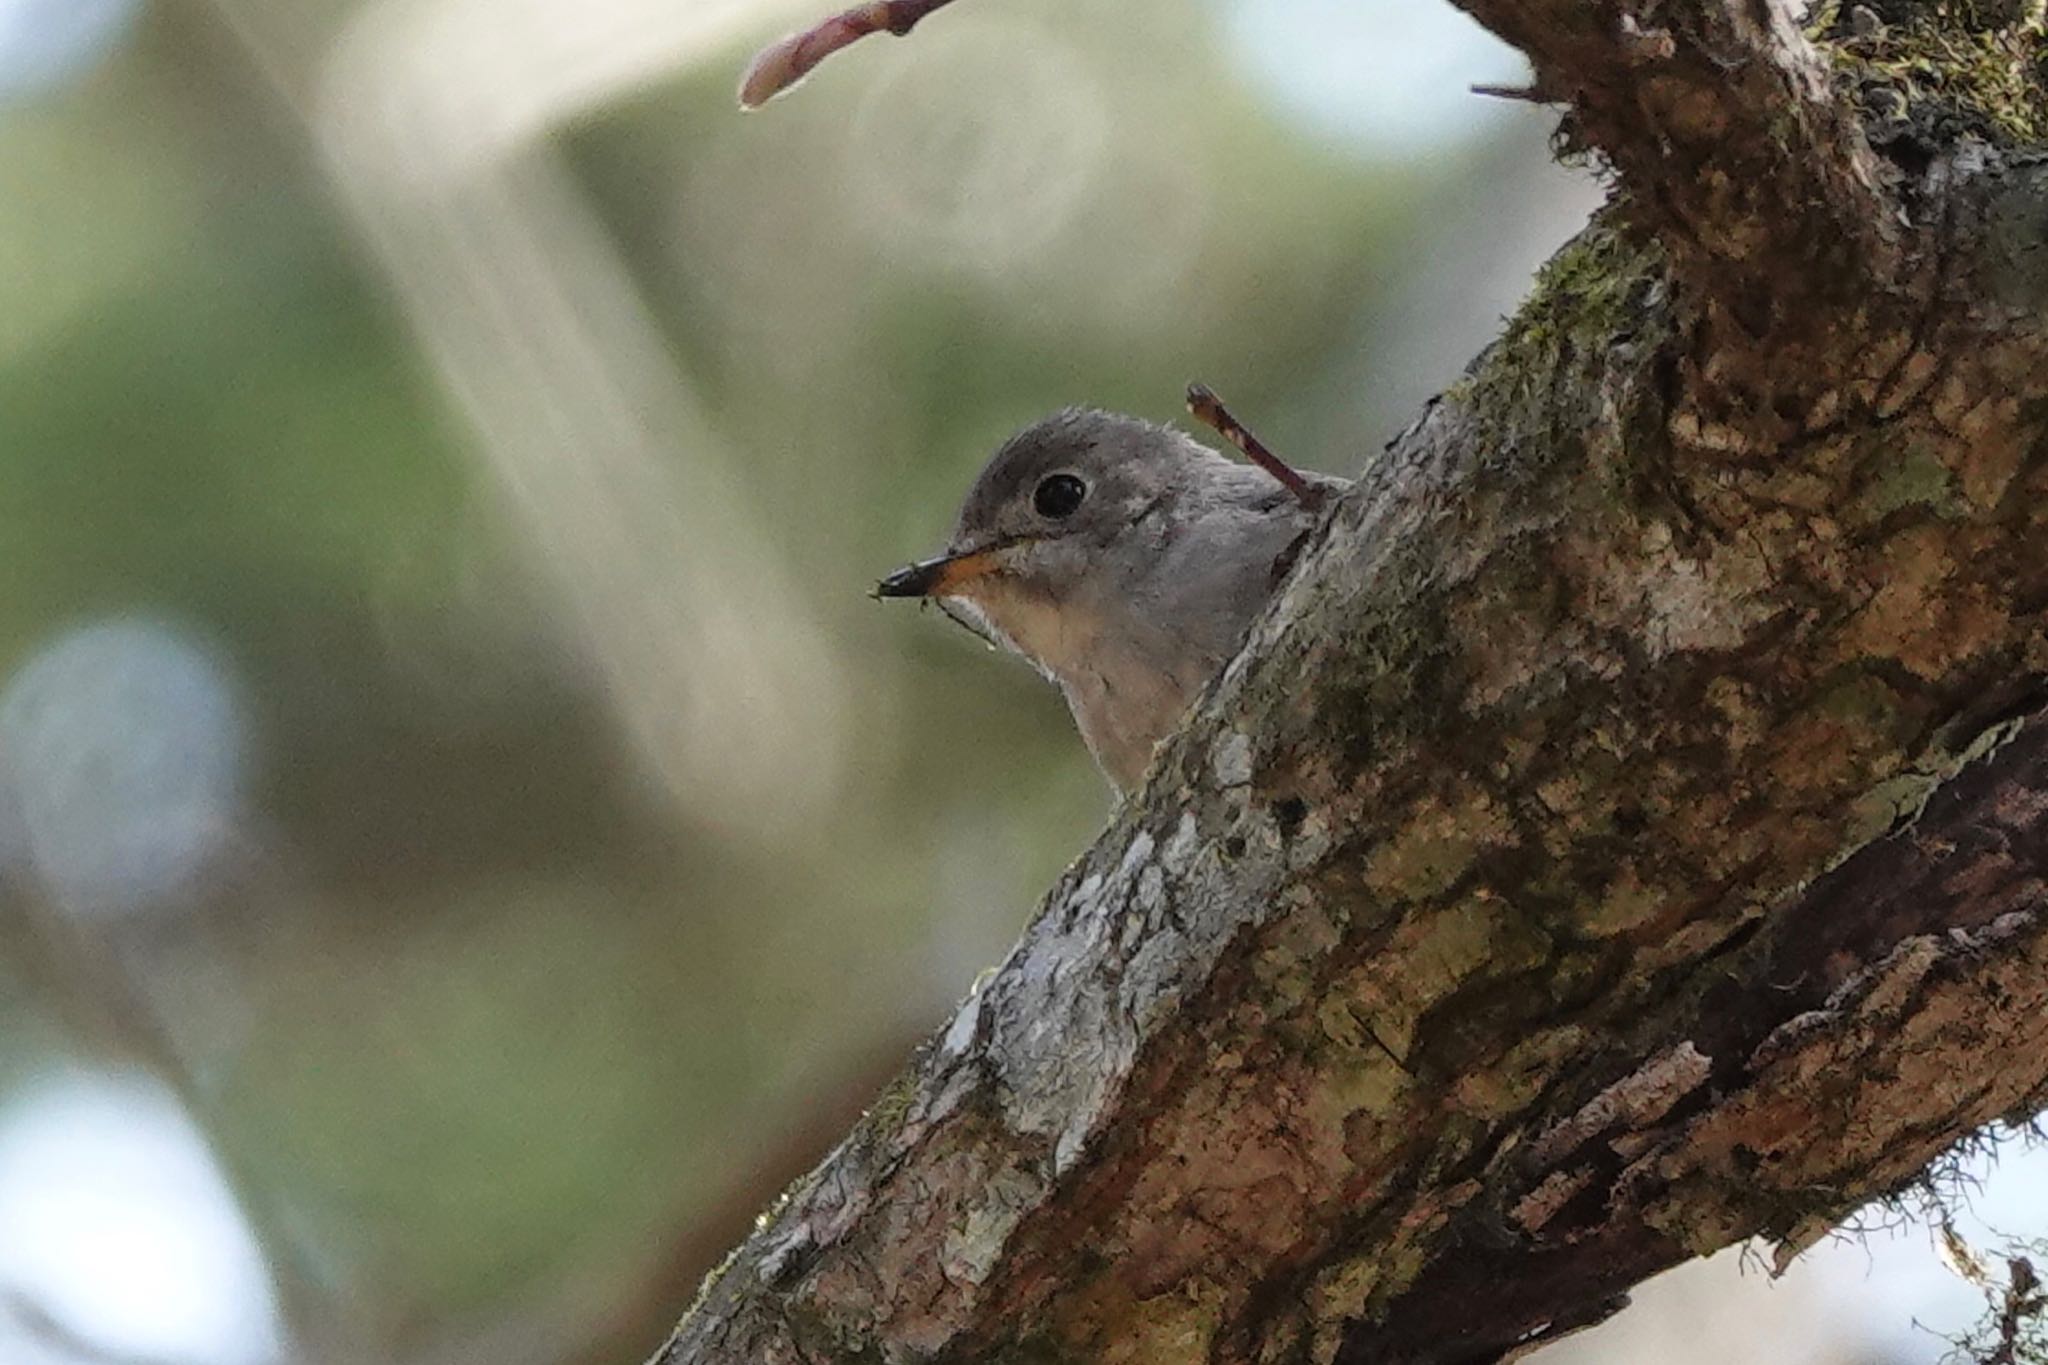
[(1524, 94), (1208, 409), (2022, 1303), (782, 64)]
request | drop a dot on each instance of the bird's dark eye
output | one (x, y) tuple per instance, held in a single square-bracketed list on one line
[(1058, 495)]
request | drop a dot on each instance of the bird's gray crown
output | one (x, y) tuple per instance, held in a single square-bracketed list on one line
[(1122, 460)]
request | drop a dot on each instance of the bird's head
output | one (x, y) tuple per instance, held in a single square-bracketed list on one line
[(1053, 514)]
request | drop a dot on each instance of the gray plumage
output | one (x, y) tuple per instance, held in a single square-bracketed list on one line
[(1134, 598)]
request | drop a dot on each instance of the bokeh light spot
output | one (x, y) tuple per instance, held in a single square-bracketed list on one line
[(121, 1231), (948, 175), (44, 43), (124, 744)]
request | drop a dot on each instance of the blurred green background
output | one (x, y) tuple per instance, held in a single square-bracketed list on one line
[(466, 837)]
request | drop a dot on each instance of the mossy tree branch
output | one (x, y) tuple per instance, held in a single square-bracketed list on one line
[(1626, 833), (1720, 119)]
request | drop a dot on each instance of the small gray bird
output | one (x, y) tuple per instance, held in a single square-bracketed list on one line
[(1124, 560)]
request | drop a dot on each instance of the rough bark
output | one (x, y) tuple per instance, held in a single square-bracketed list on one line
[(1625, 834)]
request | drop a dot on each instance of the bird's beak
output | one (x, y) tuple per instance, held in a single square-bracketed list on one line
[(940, 577)]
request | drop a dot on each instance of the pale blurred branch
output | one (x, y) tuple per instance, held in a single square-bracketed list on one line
[(783, 63), (429, 129)]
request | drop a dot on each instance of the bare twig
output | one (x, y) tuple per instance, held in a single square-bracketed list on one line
[(1208, 409), (2022, 1302), (782, 64), (1521, 94)]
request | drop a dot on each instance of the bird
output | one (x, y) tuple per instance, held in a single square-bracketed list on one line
[(1124, 560)]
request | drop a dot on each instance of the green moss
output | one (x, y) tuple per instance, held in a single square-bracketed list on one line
[(1593, 291), (890, 1108), (1341, 1290), (710, 1282), (1455, 944), (1700, 1232), (1513, 1084), (1435, 845), (1375, 1084), (1181, 1325), (1409, 1248), (1934, 70), (1626, 902), (1393, 685), (1863, 701), (1908, 475)]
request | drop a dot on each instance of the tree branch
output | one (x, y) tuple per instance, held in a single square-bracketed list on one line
[(1625, 833), (1720, 119), (780, 65)]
